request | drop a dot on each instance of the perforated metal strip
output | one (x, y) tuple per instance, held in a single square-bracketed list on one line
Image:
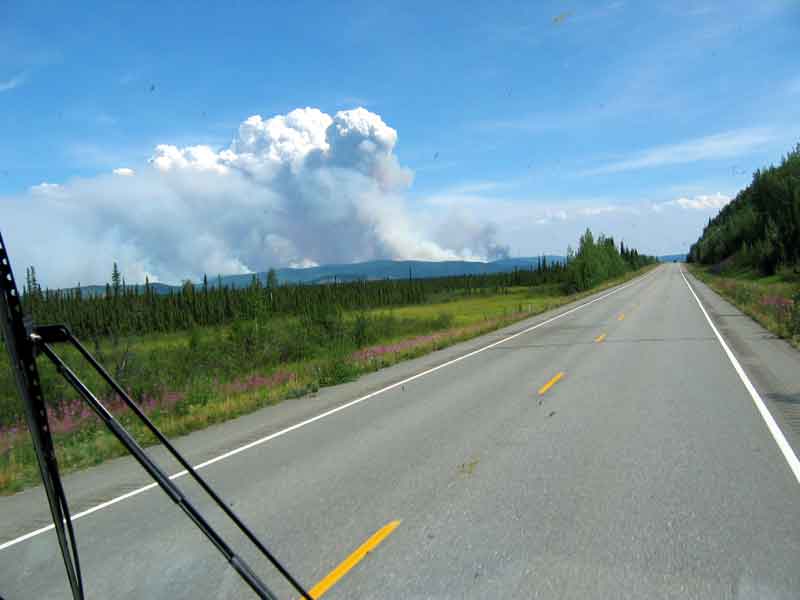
[(22, 358)]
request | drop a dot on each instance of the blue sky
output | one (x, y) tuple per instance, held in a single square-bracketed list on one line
[(541, 119)]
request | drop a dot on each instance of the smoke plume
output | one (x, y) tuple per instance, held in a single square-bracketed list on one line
[(299, 189)]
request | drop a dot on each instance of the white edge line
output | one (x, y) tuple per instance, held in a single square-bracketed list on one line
[(327, 413), (772, 425)]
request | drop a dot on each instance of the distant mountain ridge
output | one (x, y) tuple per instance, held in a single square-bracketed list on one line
[(371, 270), (391, 269)]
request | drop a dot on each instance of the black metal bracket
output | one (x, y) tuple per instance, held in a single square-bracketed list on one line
[(51, 334)]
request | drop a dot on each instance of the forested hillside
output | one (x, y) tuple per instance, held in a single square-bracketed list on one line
[(760, 228)]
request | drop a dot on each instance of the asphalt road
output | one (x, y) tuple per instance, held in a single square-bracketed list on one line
[(645, 471)]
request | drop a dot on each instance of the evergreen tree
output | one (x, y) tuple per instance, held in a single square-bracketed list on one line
[(116, 279), (272, 279)]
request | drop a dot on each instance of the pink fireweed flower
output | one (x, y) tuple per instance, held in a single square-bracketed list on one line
[(777, 301), (255, 382)]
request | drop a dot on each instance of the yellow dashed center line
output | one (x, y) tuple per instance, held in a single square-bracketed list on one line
[(600, 338), (351, 561), (556, 378)]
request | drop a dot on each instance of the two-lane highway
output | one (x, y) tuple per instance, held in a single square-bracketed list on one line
[(611, 452)]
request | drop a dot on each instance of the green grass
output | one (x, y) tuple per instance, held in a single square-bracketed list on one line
[(772, 301), (188, 381), (470, 310)]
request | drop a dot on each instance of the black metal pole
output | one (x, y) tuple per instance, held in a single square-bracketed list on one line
[(60, 333), (258, 586)]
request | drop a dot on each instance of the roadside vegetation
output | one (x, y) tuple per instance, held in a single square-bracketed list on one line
[(750, 252), (773, 301), (206, 355)]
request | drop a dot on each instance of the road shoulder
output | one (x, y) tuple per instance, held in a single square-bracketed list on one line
[(771, 363)]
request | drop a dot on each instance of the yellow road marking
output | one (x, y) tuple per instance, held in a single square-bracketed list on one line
[(600, 338), (621, 316), (556, 378), (351, 561)]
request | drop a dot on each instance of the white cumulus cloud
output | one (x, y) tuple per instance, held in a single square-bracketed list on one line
[(45, 188), (124, 171), (198, 158), (706, 202), (703, 202), (551, 216)]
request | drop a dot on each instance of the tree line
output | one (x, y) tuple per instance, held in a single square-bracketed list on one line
[(125, 309), (133, 310), (600, 260), (760, 227)]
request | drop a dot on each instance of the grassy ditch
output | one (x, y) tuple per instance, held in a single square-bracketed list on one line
[(772, 301)]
